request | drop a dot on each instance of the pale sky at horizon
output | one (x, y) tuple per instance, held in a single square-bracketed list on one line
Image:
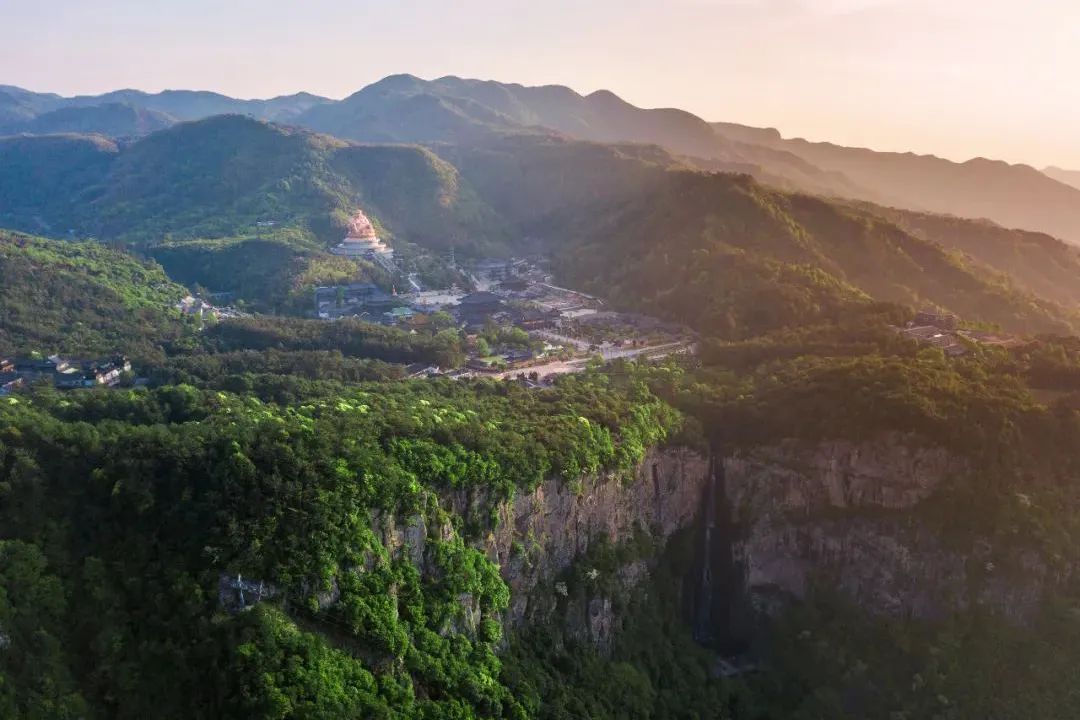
[(957, 78)]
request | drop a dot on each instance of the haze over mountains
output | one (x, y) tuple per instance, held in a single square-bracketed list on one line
[(512, 169), (1069, 177), (805, 449), (191, 197), (406, 109)]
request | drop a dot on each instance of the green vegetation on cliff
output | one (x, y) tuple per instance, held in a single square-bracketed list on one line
[(133, 509)]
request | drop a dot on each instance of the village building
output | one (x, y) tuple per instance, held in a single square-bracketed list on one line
[(488, 364), (356, 299), (422, 370), (949, 343), (10, 379), (419, 321), (516, 285), (362, 241), (475, 309), (9, 383), (944, 321), (397, 315), (498, 269), (482, 302), (534, 319), (67, 374), (518, 358)]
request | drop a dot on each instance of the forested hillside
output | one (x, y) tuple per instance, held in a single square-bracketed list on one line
[(378, 528), (115, 120), (83, 299), (191, 196), (47, 182), (125, 514), (737, 259), (405, 108), (221, 176), (1036, 262)]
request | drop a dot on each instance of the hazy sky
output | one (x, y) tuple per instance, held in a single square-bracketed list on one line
[(958, 78)]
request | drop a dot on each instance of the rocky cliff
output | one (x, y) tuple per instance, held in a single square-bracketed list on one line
[(538, 536), (851, 516)]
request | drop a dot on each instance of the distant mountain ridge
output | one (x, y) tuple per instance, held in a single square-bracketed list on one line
[(181, 104), (199, 195), (123, 113), (117, 120), (408, 109), (1069, 177), (404, 108)]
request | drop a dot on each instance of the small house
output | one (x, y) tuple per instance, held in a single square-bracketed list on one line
[(944, 321)]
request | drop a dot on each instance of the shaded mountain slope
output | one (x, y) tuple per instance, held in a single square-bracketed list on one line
[(736, 258), (14, 110), (404, 108), (1039, 263), (1011, 195), (180, 104), (46, 182), (1069, 177), (110, 119), (636, 222)]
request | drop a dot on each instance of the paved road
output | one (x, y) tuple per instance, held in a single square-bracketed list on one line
[(607, 350), (562, 367), (562, 339)]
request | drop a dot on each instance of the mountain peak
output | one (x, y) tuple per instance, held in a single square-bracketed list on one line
[(605, 96)]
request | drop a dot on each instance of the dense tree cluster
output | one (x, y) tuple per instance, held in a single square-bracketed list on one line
[(128, 508), (83, 299), (350, 337)]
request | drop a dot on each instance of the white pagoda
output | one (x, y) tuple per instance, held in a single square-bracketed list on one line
[(362, 241)]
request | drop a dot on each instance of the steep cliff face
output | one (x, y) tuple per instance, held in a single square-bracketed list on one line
[(850, 516), (555, 525), (538, 536)]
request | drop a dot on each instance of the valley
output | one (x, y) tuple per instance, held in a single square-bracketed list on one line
[(457, 399)]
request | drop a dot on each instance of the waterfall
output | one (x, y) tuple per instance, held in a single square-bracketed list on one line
[(718, 620), (703, 620)]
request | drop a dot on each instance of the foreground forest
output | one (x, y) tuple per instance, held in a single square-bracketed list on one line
[(279, 525), (125, 511)]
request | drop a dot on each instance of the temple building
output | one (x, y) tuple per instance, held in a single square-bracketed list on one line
[(362, 241)]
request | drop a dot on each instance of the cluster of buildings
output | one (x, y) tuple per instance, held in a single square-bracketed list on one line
[(942, 330), (946, 340), (358, 299), (64, 374), (472, 311), (514, 293), (936, 330)]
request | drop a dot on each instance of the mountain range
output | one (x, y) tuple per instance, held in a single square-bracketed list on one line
[(811, 515), (407, 109), (742, 257)]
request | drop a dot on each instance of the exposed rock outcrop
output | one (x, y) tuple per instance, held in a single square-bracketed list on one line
[(540, 534), (848, 514), (561, 524)]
